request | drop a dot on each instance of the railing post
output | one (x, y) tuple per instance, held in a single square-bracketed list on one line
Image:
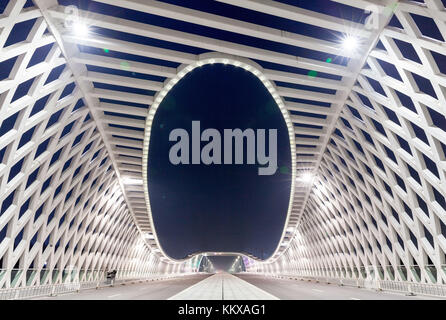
[(379, 286), (409, 290), (52, 291)]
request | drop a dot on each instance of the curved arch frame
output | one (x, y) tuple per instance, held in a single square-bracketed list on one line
[(183, 70)]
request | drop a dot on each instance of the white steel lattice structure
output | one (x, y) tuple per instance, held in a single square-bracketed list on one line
[(62, 207), (371, 132)]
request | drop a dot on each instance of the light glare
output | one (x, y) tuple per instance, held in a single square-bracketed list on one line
[(80, 29), (350, 43)]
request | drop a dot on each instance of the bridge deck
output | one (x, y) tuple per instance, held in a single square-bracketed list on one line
[(223, 286)]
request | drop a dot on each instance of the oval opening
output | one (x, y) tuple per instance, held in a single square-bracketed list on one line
[(200, 207)]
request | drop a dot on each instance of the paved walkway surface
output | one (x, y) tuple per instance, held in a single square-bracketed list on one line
[(151, 290), (286, 289), (223, 286)]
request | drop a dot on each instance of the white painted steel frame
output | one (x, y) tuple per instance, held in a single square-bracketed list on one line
[(329, 223)]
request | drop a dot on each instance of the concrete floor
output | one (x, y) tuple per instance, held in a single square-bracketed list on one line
[(223, 286), (152, 290), (303, 290), (243, 287)]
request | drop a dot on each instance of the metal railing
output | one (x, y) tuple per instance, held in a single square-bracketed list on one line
[(70, 281), (406, 287)]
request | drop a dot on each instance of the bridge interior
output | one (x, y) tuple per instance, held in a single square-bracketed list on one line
[(364, 99)]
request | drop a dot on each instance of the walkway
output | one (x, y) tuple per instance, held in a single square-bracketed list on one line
[(223, 286)]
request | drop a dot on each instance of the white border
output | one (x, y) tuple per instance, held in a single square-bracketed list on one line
[(183, 70)]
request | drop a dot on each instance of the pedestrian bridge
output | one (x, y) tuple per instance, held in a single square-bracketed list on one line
[(364, 99)]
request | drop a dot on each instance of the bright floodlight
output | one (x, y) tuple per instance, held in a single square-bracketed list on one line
[(80, 29), (131, 181), (350, 43), (307, 177)]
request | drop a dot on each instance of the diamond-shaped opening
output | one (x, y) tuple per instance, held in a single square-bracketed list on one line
[(431, 166), (46, 184), (15, 169), (427, 27), (56, 156), (39, 105), (438, 120), (406, 101), (67, 90), (379, 163), (355, 113), (26, 137), (440, 60), (9, 201), (442, 150), (18, 239), (391, 115), (3, 233), (407, 50), (390, 154), (55, 74), (422, 205), (404, 144), (95, 155), (78, 139), (390, 69), (54, 118), (394, 22), (39, 212), (380, 46), (103, 162), (80, 104), (439, 198), (424, 85), (6, 67), (442, 228), (413, 238), (376, 86), (24, 208), (87, 118), (20, 32), (400, 182), (22, 89), (407, 210), (40, 55), (68, 196), (33, 241), (414, 174), (58, 190), (32, 177), (87, 147), (428, 236), (379, 127), (365, 101), (8, 124), (67, 164), (67, 129), (419, 133), (42, 148)]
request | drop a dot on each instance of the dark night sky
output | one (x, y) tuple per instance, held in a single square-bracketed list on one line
[(217, 207)]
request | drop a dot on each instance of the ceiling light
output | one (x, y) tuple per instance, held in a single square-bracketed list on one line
[(307, 177), (131, 181), (350, 43), (80, 29)]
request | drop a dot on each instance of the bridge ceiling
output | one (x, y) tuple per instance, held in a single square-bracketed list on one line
[(378, 203), (368, 123), (134, 47), (61, 206)]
